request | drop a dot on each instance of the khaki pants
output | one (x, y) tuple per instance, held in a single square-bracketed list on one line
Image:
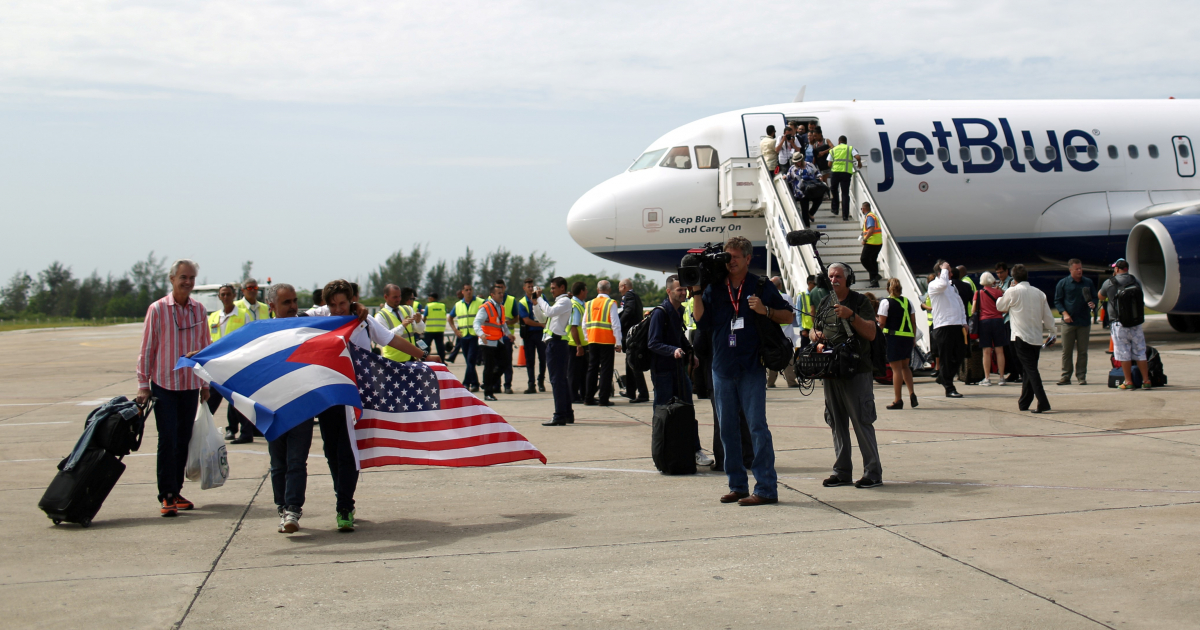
[(1075, 338), (789, 374)]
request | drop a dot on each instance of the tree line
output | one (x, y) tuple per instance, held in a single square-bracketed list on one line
[(57, 292)]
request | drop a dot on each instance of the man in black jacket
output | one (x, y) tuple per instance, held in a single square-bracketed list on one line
[(630, 314), (671, 355)]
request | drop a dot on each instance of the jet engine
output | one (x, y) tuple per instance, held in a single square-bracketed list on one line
[(1164, 254)]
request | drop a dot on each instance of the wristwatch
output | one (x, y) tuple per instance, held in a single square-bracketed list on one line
[(425, 355)]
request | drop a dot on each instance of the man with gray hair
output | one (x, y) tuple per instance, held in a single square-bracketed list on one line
[(602, 331), (175, 326), (249, 303), (631, 313), (289, 452)]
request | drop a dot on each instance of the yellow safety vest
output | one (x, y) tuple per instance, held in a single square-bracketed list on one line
[(971, 306), (689, 320), (842, 159), (597, 325), (435, 317), (405, 312), (873, 234), (906, 323), (806, 320), (464, 316), (576, 307), (234, 322), (929, 313), (510, 312), (262, 310)]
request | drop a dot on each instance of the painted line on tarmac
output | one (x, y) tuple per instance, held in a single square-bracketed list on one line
[(82, 403), (628, 470), (30, 424)]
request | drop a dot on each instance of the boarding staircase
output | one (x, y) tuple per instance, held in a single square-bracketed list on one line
[(747, 189)]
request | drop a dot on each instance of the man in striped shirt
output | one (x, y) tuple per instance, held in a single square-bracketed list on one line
[(175, 326)]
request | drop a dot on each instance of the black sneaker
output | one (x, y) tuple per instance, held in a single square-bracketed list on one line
[(867, 483), (508, 390), (541, 386), (834, 481), (531, 390)]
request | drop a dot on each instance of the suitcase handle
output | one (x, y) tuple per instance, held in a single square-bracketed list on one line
[(144, 409)]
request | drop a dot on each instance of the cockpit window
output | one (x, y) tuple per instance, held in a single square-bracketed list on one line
[(678, 157), (648, 159), (706, 157)]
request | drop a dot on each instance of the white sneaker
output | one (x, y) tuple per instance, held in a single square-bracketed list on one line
[(987, 382), (1002, 382), (282, 518), (291, 522), (703, 458)]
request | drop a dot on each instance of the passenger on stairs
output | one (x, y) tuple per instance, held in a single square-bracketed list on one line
[(766, 148), (807, 185)]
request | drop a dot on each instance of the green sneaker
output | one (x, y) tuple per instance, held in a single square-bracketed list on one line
[(1145, 385), (345, 521)]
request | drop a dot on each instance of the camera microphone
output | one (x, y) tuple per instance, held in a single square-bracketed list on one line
[(796, 238)]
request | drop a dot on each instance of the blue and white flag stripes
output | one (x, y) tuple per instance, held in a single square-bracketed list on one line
[(281, 372)]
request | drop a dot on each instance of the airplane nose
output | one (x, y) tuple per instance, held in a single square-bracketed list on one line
[(592, 221)]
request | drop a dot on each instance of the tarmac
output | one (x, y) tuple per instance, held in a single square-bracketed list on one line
[(1085, 517)]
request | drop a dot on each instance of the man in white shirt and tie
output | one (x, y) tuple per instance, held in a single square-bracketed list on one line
[(949, 327), (1029, 316), (558, 353)]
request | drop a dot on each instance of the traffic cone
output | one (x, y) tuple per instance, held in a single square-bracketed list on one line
[(520, 355)]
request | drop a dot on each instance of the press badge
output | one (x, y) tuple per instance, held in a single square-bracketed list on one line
[(737, 324), (732, 340)]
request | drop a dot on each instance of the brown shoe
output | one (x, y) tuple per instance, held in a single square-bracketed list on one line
[(734, 496), (755, 499)]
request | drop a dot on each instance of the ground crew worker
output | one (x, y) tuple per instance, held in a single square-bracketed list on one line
[(400, 317), (462, 324), (962, 275), (872, 239), (602, 328), (577, 342), (897, 318), (507, 343), (434, 313), (249, 303), (532, 344), (221, 323), (842, 159), (805, 304), (491, 328)]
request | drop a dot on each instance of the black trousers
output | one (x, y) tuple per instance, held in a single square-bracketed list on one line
[(577, 375), (339, 454), (951, 350), (1031, 381), (493, 367), (870, 260), (535, 353), (559, 354), (174, 416), (840, 182), (233, 418), (600, 372), (437, 343), (506, 361), (635, 381), (810, 202)]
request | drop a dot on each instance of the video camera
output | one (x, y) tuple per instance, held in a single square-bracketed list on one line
[(704, 266)]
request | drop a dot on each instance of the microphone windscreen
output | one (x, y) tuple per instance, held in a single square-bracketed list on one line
[(797, 238)]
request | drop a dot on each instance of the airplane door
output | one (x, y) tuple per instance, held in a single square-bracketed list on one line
[(1185, 160), (755, 126)]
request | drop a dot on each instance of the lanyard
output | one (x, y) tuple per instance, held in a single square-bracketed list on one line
[(732, 301)]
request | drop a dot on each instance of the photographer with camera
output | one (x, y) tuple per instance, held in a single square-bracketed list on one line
[(731, 298), (845, 321)]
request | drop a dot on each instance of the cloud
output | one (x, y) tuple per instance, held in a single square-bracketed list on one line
[(530, 53)]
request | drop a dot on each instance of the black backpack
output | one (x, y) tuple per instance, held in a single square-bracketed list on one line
[(1131, 305), (775, 350), (637, 342)]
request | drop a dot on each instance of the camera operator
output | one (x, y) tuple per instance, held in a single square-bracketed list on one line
[(725, 311), (849, 400)]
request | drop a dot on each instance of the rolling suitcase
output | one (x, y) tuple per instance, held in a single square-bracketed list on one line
[(76, 494), (673, 436)]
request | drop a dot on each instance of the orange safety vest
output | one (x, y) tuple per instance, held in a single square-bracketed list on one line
[(598, 327), (493, 328)]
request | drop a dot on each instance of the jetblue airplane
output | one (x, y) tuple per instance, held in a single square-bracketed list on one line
[(975, 182)]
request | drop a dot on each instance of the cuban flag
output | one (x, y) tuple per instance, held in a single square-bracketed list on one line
[(280, 372)]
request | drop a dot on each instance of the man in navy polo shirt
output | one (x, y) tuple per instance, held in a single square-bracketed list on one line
[(725, 311)]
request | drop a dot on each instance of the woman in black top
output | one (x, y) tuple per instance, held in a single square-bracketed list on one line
[(898, 318)]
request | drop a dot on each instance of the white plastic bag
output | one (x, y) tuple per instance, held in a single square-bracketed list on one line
[(208, 461)]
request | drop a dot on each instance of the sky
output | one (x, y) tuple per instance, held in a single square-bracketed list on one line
[(317, 138)]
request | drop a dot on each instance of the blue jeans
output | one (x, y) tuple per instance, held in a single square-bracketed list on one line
[(289, 465), (174, 416), (558, 359), (470, 349), (664, 391), (747, 393)]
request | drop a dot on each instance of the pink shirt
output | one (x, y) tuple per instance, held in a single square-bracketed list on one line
[(171, 331)]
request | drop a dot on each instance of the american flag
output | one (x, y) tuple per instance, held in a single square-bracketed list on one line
[(418, 413)]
